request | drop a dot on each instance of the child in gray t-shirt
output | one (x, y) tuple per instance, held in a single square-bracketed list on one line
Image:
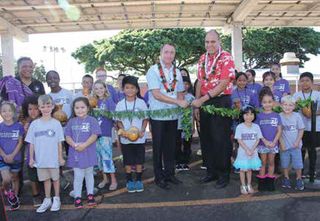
[(291, 142)]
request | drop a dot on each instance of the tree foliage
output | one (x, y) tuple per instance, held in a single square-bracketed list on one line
[(137, 50), (264, 46)]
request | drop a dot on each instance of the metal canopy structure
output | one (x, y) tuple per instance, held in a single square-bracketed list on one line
[(19, 18), (41, 16)]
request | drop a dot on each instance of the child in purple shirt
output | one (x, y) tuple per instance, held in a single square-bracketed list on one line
[(242, 94), (81, 134), (11, 140), (282, 85), (270, 125), (104, 142), (254, 87), (269, 79)]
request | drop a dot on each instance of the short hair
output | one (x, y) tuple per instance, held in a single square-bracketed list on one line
[(22, 59), (87, 76), (45, 99), (213, 31), (52, 71), (307, 74), (168, 43), (288, 99), (100, 69)]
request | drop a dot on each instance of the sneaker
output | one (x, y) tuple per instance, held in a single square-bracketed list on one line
[(299, 184), (203, 167), (78, 203), (36, 201), (71, 194), (139, 186), (286, 183), (91, 200), (185, 167), (56, 204), (46, 204), (12, 198), (14, 206), (199, 152), (113, 186), (131, 187), (179, 167), (243, 190), (250, 189)]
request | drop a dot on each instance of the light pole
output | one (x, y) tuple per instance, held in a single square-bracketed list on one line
[(54, 50)]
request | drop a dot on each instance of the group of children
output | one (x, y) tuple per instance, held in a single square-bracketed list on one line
[(88, 140), (262, 134)]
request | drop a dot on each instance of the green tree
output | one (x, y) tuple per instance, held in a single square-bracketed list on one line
[(264, 46), (137, 50), (39, 73), (87, 55)]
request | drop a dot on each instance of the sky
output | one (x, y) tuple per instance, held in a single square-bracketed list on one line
[(66, 65)]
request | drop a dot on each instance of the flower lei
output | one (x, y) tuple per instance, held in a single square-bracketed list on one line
[(164, 80), (204, 65)]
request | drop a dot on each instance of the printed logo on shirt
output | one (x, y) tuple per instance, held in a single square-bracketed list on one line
[(47, 133), (62, 100), (249, 136), (36, 89), (14, 134), (280, 87), (84, 127), (245, 99), (290, 128), (273, 121)]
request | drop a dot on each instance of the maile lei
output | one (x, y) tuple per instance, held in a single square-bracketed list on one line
[(164, 80), (206, 71)]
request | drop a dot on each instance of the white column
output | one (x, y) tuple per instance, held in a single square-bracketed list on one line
[(7, 54), (236, 44)]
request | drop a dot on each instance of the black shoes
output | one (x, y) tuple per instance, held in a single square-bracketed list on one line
[(208, 179), (221, 183), (173, 180), (162, 184)]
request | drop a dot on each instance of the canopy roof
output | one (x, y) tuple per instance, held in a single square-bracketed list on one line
[(43, 16)]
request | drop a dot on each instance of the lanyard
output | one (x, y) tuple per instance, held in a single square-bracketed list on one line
[(308, 96), (134, 106), (245, 95)]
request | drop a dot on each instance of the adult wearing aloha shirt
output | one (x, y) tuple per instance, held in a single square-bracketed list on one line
[(25, 71), (215, 75), (166, 87)]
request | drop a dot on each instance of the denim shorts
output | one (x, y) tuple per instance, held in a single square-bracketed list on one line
[(293, 155), (12, 167)]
